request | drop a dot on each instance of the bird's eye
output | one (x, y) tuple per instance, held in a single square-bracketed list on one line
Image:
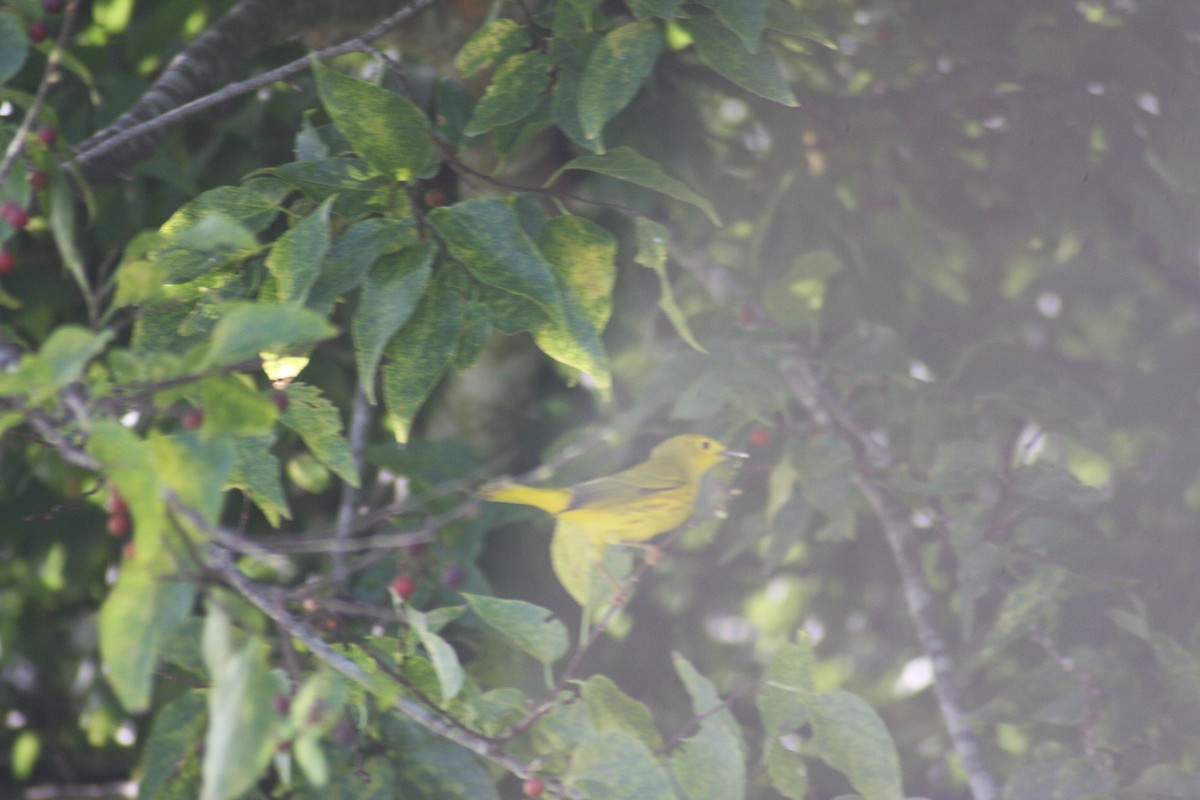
[(706, 445)]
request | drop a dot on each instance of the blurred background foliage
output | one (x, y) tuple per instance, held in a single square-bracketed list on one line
[(975, 228)]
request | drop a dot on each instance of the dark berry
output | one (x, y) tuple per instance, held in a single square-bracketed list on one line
[(404, 586), (193, 418), (7, 262), (281, 401), (453, 576), (38, 31), (47, 135), (38, 180), (53, 6), (283, 704), (435, 198)]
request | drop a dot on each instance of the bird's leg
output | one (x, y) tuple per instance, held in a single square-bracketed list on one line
[(653, 554)]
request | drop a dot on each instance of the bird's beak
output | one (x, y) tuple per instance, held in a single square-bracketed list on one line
[(733, 454)]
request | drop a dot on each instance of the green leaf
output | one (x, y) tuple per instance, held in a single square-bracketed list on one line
[(824, 468), (419, 354), (529, 627), (296, 256), (390, 133), (626, 164), (445, 661), (652, 239), (319, 424), (571, 53), (14, 45), (256, 472), (62, 226), (746, 18), (241, 715), (128, 463), (214, 228), (59, 362), (786, 685), (232, 404), (360, 190), (487, 238), (1025, 606), (787, 771), (720, 49), (710, 763), (667, 9), (390, 294), (143, 607), (170, 760), (513, 93), (849, 736), (491, 44), (584, 257), (615, 72), (352, 255), (610, 709), (614, 765), (247, 329)]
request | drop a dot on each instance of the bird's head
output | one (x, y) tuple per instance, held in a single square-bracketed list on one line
[(693, 453)]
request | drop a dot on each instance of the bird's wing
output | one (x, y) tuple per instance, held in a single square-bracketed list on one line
[(624, 487)]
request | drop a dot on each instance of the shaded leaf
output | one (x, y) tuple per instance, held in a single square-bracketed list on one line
[(248, 329), (513, 93), (652, 240), (721, 49), (390, 294), (419, 354), (611, 709), (319, 424), (296, 256), (626, 164), (849, 736)]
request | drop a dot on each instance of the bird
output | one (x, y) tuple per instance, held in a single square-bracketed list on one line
[(629, 507)]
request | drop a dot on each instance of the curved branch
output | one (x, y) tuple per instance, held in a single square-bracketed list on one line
[(902, 539), (190, 83)]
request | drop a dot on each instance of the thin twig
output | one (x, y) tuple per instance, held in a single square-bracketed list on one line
[(360, 424)]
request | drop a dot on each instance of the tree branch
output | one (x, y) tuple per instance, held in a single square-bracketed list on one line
[(902, 539), (209, 62)]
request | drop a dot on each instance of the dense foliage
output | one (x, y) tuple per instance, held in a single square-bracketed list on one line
[(271, 310)]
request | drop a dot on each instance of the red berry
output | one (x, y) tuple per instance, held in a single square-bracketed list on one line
[(128, 551), (47, 135), (38, 31), (116, 503), (759, 437), (404, 586), (14, 215), (193, 418), (283, 704), (453, 576), (53, 6), (435, 198), (38, 180), (7, 262), (533, 787), (281, 401), (118, 525)]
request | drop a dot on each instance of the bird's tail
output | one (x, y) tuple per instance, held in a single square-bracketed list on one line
[(551, 501)]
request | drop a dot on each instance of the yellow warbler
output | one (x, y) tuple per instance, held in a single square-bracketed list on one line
[(631, 506)]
